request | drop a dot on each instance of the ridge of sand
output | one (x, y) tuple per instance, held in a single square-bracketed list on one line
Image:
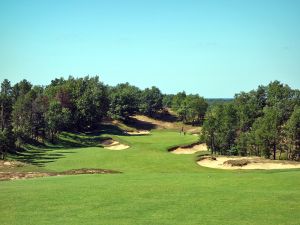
[(253, 163), (139, 132), (26, 175), (114, 145), (190, 149)]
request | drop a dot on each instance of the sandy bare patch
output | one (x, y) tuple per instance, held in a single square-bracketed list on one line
[(247, 163), (194, 130), (114, 145), (139, 132), (160, 124), (157, 123), (27, 175), (10, 164), (190, 149)]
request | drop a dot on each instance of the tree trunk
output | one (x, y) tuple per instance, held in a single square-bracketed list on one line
[(274, 151), (212, 144), (2, 116), (280, 154), (52, 137), (3, 154)]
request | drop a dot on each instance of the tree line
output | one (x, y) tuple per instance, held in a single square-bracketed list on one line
[(32, 112), (189, 108), (263, 122)]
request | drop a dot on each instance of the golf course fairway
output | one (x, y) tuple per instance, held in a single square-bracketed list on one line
[(154, 187)]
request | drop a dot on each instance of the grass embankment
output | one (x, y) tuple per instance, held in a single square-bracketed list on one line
[(156, 187)]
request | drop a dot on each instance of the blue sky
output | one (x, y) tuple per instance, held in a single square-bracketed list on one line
[(214, 48)]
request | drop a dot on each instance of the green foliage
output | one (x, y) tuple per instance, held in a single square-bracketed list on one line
[(86, 99), (249, 106), (167, 100), (151, 101), (293, 134), (178, 100), (210, 126), (6, 142), (92, 105), (219, 128), (254, 123), (268, 131), (39, 106), (214, 101), (190, 108), (35, 112), (6, 103), (22, 115), (21, 89), (57, 118), (28, 114), (242, 144), (124, 101)]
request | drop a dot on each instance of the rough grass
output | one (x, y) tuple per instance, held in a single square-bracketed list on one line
[(237, 162), (156, 187)]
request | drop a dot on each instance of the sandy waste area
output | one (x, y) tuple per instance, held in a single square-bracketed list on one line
[(233, 163)]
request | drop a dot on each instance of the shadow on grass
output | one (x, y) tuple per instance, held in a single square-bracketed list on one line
[(109, 129), (139, 125), (39, 154), (39, 157), (165, 116)]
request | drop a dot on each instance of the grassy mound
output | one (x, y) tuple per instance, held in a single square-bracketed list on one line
[(237, 162), (206, 157)]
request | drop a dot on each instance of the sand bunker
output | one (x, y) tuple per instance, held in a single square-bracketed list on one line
[(191, 149), (139, 132), (114, 145), (27, 175), (117, 146), (247, 163)]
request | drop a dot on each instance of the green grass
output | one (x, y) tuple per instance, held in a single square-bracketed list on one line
[(156, 187)]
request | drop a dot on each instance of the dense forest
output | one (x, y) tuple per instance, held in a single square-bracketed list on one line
[(263, 122), (40, 113)]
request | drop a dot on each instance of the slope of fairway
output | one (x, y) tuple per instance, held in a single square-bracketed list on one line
[(156, 187), (147, 153)]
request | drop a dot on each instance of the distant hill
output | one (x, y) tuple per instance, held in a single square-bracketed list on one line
[(212, 101)]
